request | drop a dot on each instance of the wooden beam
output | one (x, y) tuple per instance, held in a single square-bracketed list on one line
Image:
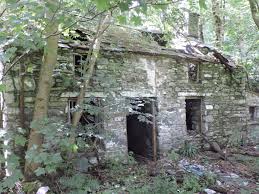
[(154, 131)]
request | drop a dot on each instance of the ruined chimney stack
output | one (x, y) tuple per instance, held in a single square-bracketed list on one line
[(193, 25)]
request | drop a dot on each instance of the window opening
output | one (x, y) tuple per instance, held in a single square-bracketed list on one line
[(194, 73), (252, 112), (193, 115), (79, 61), (91, 117)]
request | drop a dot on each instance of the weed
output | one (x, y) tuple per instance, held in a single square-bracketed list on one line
[(188, 150), (173, 156)]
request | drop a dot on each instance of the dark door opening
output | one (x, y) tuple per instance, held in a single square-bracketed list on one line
[(193, 115), (141, 128)]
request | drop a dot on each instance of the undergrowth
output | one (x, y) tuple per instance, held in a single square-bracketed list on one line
[(188, 150)]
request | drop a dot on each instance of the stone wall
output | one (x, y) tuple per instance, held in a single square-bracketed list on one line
[(127, 75), (223, 101), (253, 123)]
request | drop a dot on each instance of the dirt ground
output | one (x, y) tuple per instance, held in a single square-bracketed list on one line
[(239, 173)]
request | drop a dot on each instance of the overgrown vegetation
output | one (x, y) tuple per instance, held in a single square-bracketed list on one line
[(51, 152), (188, 150)]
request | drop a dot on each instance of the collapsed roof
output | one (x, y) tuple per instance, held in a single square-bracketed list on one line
[(122, 39)]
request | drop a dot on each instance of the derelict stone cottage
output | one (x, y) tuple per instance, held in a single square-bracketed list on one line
[(184, 91)]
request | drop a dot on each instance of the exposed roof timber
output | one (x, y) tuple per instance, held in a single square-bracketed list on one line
[(163, 52), (123, 40)]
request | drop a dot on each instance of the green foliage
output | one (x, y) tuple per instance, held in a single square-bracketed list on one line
[(2, 87), (22, 28), (31, 187), (136, 20), (9, 182), (116, 163), (240, 33), (20, 140), (12, 159), (159, 184), (163, 184), (236, 139), (131, 159), (191, 185), (202, 4), (140, 190), (208, 179), (173, 156), (54, 148), (188, 150), (79, 183)]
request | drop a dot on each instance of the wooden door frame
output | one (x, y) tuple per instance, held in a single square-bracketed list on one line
[(154, 130)]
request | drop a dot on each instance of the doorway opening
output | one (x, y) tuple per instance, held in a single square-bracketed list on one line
[(141, 128), (193, 115)]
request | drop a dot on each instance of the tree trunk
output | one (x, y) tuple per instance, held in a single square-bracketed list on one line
[(1, 92), (254, 6), (218, 22), (90, 63), (45, 82), (21, 97)]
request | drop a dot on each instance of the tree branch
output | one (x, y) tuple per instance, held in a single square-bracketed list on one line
[(111, 10), (14, 63), (2, 13), (90, 61), (254, 6)]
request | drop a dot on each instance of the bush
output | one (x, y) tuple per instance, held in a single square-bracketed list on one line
[(188, 150), (191, 185), (79, 183), (173, 156)]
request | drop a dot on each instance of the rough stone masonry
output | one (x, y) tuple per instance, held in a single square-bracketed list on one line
[(136, 67)]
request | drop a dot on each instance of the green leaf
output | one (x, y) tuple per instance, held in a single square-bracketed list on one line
[(122, 19), (30, 68), (40, 171), (136, 20), (74, 148), (124, 6), (2, 87), (11, 1), (102, 4), (160, 6), (144, 8), (202, 4), (19, 140), (2, 159), (51, 168), (66, 32)]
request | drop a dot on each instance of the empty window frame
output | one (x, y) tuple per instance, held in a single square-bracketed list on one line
[(194, 73), (79, 62), (252, 112), (91, 117)]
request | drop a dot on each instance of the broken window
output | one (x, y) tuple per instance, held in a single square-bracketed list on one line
[(79, 62), (193, 115), (252, 112), (91, 117), (194, 73)]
